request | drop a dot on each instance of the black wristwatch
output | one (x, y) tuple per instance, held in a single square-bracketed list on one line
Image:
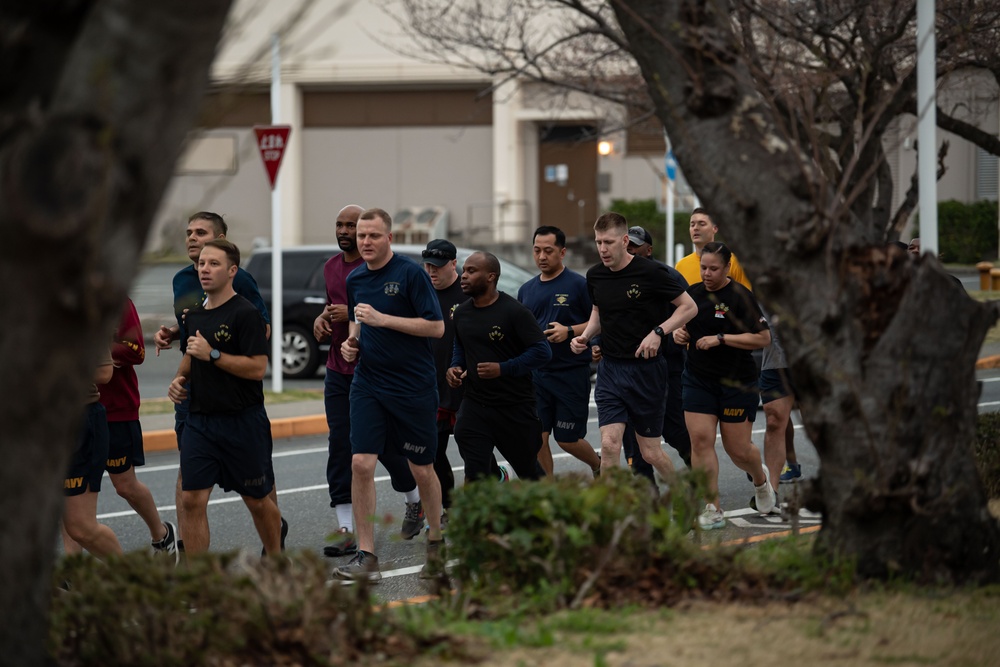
[(722, 338), (214, 355), (659, 332), (569, 332)]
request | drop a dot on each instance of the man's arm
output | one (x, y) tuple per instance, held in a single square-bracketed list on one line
[(535, 355), (414, 326), (349, 348), (580, 343), (246, 367), (177, 392), (128, 348)]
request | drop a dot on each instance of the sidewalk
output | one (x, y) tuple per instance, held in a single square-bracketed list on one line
[(288, 420)]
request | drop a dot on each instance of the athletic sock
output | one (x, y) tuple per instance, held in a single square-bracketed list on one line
[(345, 516), (412, 496)]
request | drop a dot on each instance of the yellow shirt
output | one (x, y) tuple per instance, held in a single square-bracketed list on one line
[(690, 268)]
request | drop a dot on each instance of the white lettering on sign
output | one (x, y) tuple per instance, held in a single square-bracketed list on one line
[(269, 141)]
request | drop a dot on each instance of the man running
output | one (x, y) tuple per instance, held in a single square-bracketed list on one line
[(703, 230), (559, 300), (631, 301), (332, 324), (227, 435), (393, 313), (498, 344)]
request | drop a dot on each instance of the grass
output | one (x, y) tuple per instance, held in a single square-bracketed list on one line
[(162, 406)]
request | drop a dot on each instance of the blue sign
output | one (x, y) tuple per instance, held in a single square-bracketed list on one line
[(671, 166)]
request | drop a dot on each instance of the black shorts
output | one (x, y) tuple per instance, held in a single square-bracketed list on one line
[(86, 468), (231, 450), (731, 402), (124, 446), (632, 392), (563, 398), (409, 424), (774, 384)]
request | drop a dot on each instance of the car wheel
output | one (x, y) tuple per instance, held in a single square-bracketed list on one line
[(299, 353)]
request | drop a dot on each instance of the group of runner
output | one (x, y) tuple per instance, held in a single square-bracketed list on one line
[(418, 354)]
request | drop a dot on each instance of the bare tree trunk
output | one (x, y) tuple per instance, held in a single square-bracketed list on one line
[(882, 349), (99, 98)]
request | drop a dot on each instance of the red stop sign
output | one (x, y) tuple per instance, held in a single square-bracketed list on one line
[(271, 141)]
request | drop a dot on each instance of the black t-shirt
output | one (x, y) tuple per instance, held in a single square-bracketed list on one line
[(235, 327), (448, 298), (632, 302), (730, 310), (500, 331)]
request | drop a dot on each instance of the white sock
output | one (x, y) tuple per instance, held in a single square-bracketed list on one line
[(412, 496), (345, 515)]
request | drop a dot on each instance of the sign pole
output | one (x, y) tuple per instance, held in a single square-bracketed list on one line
[(927, 126), (277, 282), (670, 168)]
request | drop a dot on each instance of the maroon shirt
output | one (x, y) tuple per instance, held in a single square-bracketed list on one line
[(335, 273)]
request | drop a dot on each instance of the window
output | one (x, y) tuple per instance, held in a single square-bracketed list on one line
[(987, 175)]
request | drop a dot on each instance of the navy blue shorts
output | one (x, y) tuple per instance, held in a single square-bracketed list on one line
[(231, 450), (774, 384), (632, 392), (407, 424), (563, 399), (86, 468), (124, 446), (730, 402)]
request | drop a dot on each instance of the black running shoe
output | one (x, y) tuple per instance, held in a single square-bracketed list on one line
[(413, 521)]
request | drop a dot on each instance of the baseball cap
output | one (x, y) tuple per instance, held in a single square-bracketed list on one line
[(639, 236), (439, 252)]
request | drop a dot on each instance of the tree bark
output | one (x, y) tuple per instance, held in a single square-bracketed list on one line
[(99, 98), (881, 348)]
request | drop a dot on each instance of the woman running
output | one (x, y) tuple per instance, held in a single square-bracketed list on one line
[(720, 377)]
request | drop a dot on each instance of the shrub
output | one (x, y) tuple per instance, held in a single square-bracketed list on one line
[(967, 233), (987, 450), (217, 609)]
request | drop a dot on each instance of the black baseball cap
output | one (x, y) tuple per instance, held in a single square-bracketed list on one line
[(639, 236), (439, 252)]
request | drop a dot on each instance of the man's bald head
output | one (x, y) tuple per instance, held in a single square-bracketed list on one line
[(347, 229)]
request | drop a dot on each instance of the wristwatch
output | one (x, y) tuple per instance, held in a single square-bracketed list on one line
[(569, 332), (722, 338), (214, 355), (659, 332)]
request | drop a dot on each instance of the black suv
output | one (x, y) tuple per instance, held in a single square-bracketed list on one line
[(305, 297)]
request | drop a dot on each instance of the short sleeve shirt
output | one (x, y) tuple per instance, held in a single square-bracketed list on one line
[(632, 302), (565, 300), (730, 310), (390, 361), (335, 273)]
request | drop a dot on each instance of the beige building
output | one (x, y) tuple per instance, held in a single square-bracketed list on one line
[(483, 166)]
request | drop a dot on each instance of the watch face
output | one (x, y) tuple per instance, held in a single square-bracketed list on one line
[(214, 355)]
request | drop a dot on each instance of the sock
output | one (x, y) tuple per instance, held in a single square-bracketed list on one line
[(412, 496), (345, 516)]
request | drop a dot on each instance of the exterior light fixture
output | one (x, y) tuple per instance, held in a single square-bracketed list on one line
[(605, 148)]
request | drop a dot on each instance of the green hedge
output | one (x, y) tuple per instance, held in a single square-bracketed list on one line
[(967, 233)]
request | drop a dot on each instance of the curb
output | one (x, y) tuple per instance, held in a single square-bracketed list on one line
[(291, 427), (285, 427), (987, 363)]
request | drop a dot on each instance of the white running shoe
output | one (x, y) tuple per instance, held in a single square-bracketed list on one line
[(764, 495), (711, 518)]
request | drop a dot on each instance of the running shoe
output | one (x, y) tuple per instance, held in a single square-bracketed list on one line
[(413, 521), (776, 510), (711, 518), (168, 545), (284, 534), (364, 566), (344, 545), (764, 494), (790, 473)]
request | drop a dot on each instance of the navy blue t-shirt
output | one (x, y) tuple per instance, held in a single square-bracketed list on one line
[(390, 361), (565, 300)]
